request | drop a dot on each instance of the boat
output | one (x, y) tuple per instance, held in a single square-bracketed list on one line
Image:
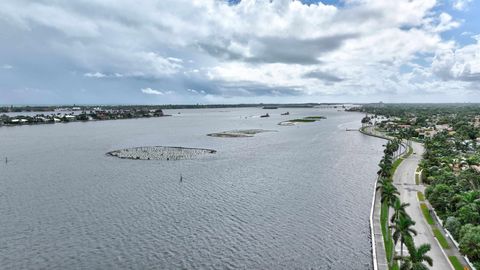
[(287, 113), (265, 115)]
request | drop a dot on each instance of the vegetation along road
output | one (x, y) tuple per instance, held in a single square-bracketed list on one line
[(404, 180)]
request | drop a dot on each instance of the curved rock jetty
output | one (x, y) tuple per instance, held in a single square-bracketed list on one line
[(161, 153)]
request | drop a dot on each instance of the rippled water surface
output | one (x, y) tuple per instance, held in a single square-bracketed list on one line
[(298, 198)]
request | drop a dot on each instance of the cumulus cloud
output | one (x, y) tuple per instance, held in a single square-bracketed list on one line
[(458, 64), (195, 91), (323, 76), (255, 47), (150, 91), (95, 75), (461, 4)]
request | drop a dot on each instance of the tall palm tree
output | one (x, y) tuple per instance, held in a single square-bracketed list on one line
[(416, 259), (382, 182), (389, 194), (399, 210), (385, 169), (403, 231)]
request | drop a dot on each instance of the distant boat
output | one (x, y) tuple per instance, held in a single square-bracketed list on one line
[(287, 113), (265, 115)]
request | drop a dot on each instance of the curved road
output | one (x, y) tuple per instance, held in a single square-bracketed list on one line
[(404, 180)]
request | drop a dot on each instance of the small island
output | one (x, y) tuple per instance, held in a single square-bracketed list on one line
[(161, 153), (308, 119), (239, 133)]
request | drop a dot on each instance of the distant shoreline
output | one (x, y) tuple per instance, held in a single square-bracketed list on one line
[(97, 114)]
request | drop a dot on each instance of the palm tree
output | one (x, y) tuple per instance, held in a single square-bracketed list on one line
[(382, 182), (417, 257), (403, 231), (389, 194), (399, 210), (385, 169)]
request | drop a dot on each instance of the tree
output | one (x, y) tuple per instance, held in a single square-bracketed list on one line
[(385, 169), (389, 194), (399, 210), (470, 241), (403, 231), (453, 226), (382, 183), (417, 257), (468, 214), (439, 196)]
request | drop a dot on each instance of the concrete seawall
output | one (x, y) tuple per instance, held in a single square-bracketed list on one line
[(379, 256)]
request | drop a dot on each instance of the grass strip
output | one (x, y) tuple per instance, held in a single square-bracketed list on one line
[(395, 165), (387, 236), (441, 239), (417, 179), (456, 263), (420, 196), (426, 214), (410, 151)]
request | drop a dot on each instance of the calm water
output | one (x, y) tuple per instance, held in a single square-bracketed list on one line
[(298, 198)]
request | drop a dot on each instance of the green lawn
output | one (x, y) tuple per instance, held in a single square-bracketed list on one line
[(426, 214), (420, 196), (441, 239), (417, 179), (387, 236), (455, 262)]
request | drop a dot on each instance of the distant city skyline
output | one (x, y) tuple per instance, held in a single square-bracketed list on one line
[(232, 51)]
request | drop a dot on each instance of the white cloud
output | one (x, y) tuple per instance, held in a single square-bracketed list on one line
[(193, 91), (150, 91), (461, 4), (95, 75), (6, 66), (462, 63), (279, 47)]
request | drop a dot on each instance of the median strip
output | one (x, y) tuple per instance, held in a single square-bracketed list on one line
[(441, 239), (456, 263), (420, 196), (426, 214)]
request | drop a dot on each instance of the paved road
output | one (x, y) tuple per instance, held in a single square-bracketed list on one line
[(404, 180)]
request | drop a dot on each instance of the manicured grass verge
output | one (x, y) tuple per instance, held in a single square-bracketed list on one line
[(387, 236), (410, 151), (426, 214), (420, 196), (417, 179), (395, 164), (443, 242), (455, 262)]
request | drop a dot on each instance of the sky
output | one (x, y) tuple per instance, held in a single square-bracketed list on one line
[(238, 51)]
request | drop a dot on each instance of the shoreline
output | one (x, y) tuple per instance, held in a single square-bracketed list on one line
[(379, 258)]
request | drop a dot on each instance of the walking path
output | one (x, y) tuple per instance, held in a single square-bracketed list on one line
[(404, 180)]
